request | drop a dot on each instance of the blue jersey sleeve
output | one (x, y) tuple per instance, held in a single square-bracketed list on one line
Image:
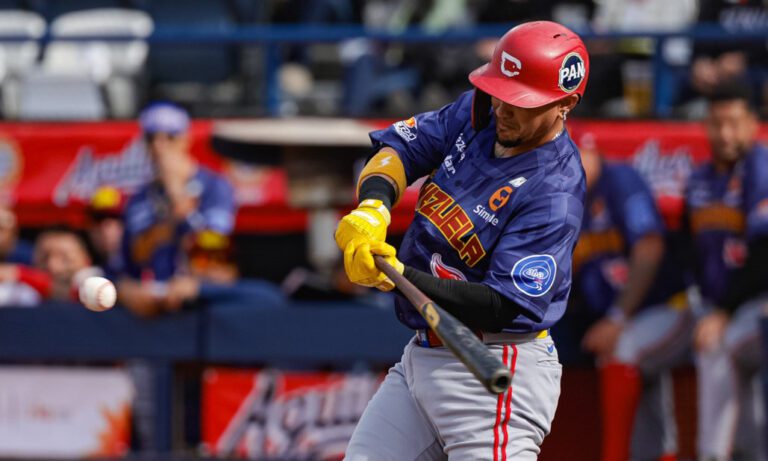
[(421, 140), (634, 205), (756, 193), (532, 262)]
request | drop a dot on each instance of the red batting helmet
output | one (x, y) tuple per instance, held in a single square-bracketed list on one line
[(534, 64)]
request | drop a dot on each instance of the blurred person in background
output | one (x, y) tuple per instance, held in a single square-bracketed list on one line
[(60, 263), (105, 228), (212, 276), (727, 213), (624, 67), (718, 61), (62, 255), (163, 217), (621, 275), (12, 248)]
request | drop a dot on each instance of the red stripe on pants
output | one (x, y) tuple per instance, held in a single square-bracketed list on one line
[(499, 402), (509, 404)]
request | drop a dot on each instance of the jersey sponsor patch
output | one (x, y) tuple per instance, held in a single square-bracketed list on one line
[(406, 129), (517, 182), (448, 165), (534, 275), (572, 72), (499, 198)]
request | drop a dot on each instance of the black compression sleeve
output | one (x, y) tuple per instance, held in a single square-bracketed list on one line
[(749, 281), (477, 305), (378, 188)]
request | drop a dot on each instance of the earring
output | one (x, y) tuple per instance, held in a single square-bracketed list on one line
[(565, 115)]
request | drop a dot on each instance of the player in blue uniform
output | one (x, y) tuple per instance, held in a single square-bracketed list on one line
[(497, 219), (727, 204), (621, 274), (162, 217)]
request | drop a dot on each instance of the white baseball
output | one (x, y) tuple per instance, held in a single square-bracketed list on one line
[(97, 294)]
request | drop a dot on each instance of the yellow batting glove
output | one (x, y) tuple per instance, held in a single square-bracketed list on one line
[(360, 267), (367, 222)]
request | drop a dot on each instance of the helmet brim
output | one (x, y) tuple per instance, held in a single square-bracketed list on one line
[(512, 92)]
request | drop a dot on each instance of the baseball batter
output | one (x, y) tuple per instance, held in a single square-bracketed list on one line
[(623, 272), (727, 201), (491, 242)]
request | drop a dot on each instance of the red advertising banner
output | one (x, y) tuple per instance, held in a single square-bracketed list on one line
[(47, 171), (286, 415)]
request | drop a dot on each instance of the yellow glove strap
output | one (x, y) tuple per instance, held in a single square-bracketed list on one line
[(377, 205)]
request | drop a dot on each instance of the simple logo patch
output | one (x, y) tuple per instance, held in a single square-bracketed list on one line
[(572, 72), (534, 275), (510, 65)]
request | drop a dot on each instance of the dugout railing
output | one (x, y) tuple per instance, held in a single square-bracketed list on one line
[(274, 37)]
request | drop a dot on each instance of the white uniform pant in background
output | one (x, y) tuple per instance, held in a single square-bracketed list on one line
[(655, 341), (731, 418), (430, 407)]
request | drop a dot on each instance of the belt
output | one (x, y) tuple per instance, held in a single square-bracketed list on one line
[(428, 338)]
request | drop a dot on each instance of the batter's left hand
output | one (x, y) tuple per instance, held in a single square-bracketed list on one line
[(602, 337), (360, 267)]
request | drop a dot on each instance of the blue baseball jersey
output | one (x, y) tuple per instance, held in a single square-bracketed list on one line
[(726, 210), (152, 241), (510, 223), (620, 210)]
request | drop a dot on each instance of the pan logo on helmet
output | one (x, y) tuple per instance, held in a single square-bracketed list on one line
[(572, 72), (510, 65)]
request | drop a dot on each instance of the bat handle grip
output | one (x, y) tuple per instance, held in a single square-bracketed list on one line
[(385, 267)]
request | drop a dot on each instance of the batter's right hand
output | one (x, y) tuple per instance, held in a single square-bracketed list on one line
[(368, 221)]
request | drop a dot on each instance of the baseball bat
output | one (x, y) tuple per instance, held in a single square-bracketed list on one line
[(459, 339)]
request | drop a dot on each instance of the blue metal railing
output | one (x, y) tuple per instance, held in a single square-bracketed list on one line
[(272, 37)]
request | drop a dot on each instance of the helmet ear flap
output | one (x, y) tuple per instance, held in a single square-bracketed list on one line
[(481, 109)]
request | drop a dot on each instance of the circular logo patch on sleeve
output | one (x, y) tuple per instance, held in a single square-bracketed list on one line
[(534, 275)]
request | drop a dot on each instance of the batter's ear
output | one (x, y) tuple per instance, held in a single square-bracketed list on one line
[(481, 109)]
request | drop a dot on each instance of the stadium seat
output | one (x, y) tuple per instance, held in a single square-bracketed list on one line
[(44, 96), (113, 65), (17, 57)]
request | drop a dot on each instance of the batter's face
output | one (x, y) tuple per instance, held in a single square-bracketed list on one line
[(517, 127), (732, 127)]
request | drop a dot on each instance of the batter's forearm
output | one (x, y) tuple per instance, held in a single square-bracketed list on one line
[(383, 178), (475, 304)]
